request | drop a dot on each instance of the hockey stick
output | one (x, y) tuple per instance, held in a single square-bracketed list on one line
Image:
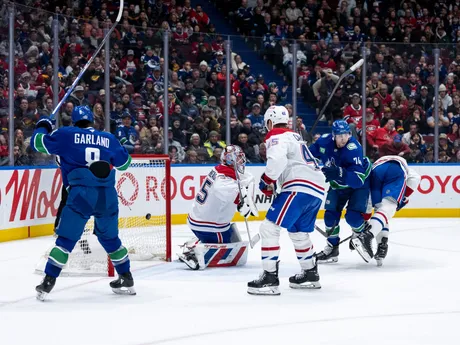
[(324, 233), (90, 61), (342, 77), (252, 240)]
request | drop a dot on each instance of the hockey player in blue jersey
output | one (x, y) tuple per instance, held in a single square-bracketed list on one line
[(392, 182), (86, 155), (347, 171)]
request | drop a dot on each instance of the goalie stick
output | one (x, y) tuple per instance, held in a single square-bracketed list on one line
[(342, 77), (90, 61), (252, 240)]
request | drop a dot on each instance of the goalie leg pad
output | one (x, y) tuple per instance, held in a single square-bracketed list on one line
[(270, 235), (303, 249), (221, 255), (384, 211)]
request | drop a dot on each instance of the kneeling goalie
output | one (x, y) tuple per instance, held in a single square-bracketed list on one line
[(218, 242)]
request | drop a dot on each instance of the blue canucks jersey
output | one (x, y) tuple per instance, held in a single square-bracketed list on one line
[(350, 158), (79, 147)]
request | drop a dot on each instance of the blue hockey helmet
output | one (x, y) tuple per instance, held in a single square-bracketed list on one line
[(80, 113), (340, 127)]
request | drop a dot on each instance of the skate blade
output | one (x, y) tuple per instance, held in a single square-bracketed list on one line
[(379, 262), (124, 291), (328, 261), (265, 291), (41, 296), (190, 263), (305, 286), (359, 248)]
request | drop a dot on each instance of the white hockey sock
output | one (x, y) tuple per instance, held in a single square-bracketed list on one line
[(270, 242), (384, 211), (303, 249)]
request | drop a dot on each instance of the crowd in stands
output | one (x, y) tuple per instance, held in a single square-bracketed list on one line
[(400, 69)]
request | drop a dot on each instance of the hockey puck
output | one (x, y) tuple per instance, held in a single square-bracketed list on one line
[(148, 216)]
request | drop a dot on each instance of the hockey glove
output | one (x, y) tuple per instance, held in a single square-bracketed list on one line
[(403, 203), (334, 173), (267, 185), (246, 206), (45, 122)]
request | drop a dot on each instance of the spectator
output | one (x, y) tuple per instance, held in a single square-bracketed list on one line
[(127, 135), (395, 148), (382, 135), (213, 142), (152, 144), (196, 145), (180, 153), (445, 145)]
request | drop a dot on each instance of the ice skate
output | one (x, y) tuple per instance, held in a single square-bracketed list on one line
[(382, 250), (363, 245), (45, 287), (307, 279), (267, 284), (329, 254), (189, 259), (124, 285)]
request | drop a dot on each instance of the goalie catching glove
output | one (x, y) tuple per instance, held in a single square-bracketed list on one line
[(246, 206)]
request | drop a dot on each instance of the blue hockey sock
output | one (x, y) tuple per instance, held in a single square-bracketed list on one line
[(58, 256), (120, 260), (333, 237)]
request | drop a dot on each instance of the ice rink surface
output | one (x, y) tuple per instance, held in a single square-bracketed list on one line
[(413, 299)]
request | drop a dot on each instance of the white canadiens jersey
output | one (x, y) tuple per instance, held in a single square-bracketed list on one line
[(290, 163), (412, 177), (216, 202)]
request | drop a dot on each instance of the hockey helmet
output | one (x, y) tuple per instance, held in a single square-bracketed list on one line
[(277, 114), (340, 127), (80, 113), (232, 155)]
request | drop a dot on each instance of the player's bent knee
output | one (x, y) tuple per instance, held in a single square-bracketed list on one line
[(110, 245), (269, 230), (331, 218), (354, 219), (300, 239), (65, 243), (387, 207)]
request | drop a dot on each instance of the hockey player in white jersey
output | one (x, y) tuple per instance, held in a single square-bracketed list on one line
[(392, 182), (218, 242), (290, 166)]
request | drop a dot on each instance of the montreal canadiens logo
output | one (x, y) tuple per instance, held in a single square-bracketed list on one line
[(124, 199)]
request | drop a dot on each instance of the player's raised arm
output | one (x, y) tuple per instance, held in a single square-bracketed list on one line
[(121, 158), (44, 139)]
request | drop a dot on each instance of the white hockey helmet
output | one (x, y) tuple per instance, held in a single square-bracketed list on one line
[(277, 114), (234, 154)]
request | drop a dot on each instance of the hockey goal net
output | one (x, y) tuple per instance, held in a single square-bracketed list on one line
[(144, 220)]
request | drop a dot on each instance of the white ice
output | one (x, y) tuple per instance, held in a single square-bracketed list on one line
[(413, 299)]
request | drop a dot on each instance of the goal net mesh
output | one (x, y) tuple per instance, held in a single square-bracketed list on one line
[(142, 221)]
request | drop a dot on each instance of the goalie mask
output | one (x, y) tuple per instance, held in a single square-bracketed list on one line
[(233, 155)]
